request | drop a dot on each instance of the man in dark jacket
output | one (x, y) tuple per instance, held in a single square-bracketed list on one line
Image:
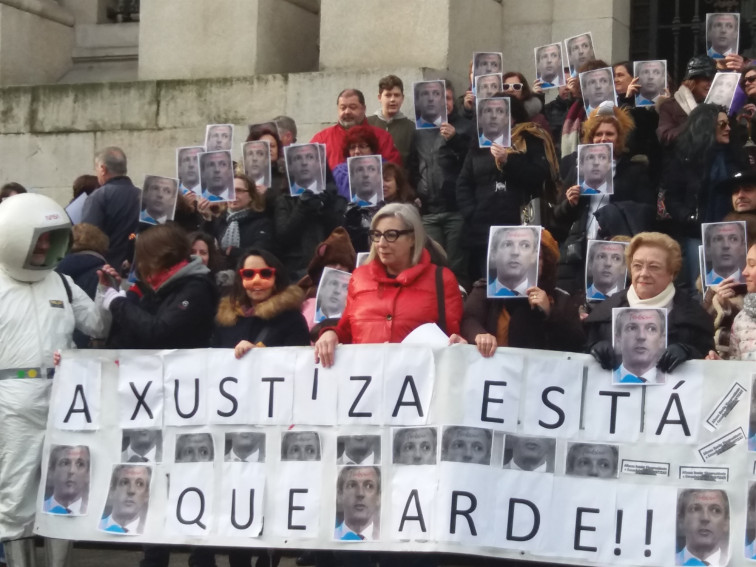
[(440, 155), (114, 207)]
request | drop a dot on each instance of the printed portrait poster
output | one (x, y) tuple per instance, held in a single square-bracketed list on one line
[(486, 63), (652, 77), (256, 161), (512, 260), (358, 449), (597, 87), (487, 86), (639, 338), (579, 51), (217, 175), (605, 269), (219, 137), (415, 446), (158, 203), (464, 444), (358, 504), (529, 453), (494, 122), (142, 446), (752, 417), (594, 169), (305, 168), (332, 294), (67, 480), (365, 180), (703, 527), (722, 34), (592, 460), (722, 89), (188, 169), (430, 104), (725, 249), (126, 508), (549, 66), (362, 258)]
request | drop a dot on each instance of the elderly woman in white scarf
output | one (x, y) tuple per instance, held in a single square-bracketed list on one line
[(654, 259)]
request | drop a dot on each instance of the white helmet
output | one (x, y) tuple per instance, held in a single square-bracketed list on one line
[(24, 218)]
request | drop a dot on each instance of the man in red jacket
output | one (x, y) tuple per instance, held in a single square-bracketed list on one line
[(351, 107)]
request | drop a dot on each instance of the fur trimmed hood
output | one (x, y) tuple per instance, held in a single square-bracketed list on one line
[(289, 299)]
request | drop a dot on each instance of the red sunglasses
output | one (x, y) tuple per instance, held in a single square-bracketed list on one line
[(264, 273)]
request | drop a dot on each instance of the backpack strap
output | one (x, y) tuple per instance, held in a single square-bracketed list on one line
[(69, 293), (440, 298)]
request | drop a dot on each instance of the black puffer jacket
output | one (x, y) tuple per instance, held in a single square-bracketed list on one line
[(178, 315), (255, 231)]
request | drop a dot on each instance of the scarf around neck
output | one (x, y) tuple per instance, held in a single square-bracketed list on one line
[(664, 299), (232, 237)]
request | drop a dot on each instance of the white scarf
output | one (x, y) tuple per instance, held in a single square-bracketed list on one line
[(664, 299), (685, 99)]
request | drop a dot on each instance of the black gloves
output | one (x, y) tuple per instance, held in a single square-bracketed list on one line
[(673, 357), (604, 353)]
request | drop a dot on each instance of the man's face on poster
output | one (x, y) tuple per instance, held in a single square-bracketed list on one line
[(142, 440), (366, 176), (219, 137), (360, 496), (580, 51), (194, 448), (515, 255), (430, 100), (71, 474), (217, 172), (130, 493), (549, 62), (487, 63), (357, 447), (608, 266), (468, 445), (595, 165), (598, 86), (159, 196), (641, 339), (246, 442), (493, 117), (418, 447), (305, 164), (652, 75), (488, 86), (594, 461), (256, 159), (529, 453), (726, 248), (723, 30), (706, 523), (188, 166), (334, 294), (302, 446)]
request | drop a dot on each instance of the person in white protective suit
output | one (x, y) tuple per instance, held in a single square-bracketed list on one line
[(39, 310)]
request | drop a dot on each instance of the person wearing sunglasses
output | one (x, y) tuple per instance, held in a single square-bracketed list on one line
[(515, 85), (262, 309), (397, 290)]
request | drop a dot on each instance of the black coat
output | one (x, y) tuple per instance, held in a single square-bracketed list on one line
[(255, 231), (178, 315), (687, 323), (82, 267)]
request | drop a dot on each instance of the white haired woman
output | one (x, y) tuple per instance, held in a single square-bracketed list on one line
[(398, 289)]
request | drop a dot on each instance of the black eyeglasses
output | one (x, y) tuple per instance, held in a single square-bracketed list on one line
[(250, 273), (513, 86), (389, 235), (749, 79)]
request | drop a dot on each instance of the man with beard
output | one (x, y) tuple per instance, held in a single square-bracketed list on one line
[(597, 86), (640, 336), (513, 257), (359, 450), (365, 180), (725, 252), (703, 522), (606, 269), (721, 35), (549, 66), (217, 176), (68, 472), (595, 168), (430, 104), (358, 496), (128, 497), (530, 453), (493, 122), (245, 447)]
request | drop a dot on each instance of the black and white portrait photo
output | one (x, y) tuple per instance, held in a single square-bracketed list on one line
[(244, 447), (487, 86), (365, 180), (332, 294), (579, 51), (430, 104), (219, 137), (722, 33), (217, 174), (652, 77), (723, 89), (159, 196), (415, 446), (595, 169), (358, 450), (750, 539), (128, 500), (188, 169), (703, 527), (358, 504), (598, 460), (67, 481), (486, 62), (640, 337), (142, 446), (493, 121), (461, 444), (549, 66), (512, 260), (256, 160), (597, 87), (528, 453), (305, 166), (194, 448), (300, 446), (724, 251), (605, 270)]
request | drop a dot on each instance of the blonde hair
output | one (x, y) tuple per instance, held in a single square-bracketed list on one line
[(656, 240), (410, 219)]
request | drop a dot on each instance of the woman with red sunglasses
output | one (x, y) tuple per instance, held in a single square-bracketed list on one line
[(262, 309)]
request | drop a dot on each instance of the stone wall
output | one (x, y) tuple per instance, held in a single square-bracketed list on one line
[(49, 133)]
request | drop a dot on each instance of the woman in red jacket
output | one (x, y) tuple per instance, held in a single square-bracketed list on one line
[(397, 290)]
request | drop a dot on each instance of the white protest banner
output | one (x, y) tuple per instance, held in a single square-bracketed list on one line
[(527, 455)]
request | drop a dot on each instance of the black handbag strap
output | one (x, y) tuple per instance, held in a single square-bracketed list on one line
[(440, 298)]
